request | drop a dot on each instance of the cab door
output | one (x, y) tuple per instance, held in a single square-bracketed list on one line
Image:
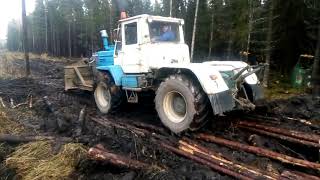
[(131, 50)]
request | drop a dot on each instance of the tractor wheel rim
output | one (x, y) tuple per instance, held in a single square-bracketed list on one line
[(175, 106), (103, 96)]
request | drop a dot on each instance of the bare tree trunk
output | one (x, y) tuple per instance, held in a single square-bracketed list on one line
[(229, 48), (194, 30), (268, 49), (211, 36), (69, 39), (25, 37), (46, 22), (316, 69), (110, 21), (249, 27), (58, 44), (74, 39), (91, 35), (53, 46), (33, 39), (170, 8)]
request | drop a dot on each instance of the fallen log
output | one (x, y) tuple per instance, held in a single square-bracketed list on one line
[(115, 159), (218, 160), (149, 127), (203, 149), (204, 162), (296, 134), (282, 137), (293, 175), (107, 123), (21, 139), (306, 122), (259, 151), (18, 105)]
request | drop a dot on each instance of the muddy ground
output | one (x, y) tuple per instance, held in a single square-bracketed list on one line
[(61, 119)]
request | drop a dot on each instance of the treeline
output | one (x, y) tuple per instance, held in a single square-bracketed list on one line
[(278, 29)]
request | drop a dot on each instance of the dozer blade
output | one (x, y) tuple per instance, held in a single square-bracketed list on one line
[(78, 76)]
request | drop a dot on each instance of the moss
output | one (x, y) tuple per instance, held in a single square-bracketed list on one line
[(280, 88)]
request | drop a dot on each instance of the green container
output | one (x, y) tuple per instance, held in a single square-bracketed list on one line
[(301, 76), (298, 77)]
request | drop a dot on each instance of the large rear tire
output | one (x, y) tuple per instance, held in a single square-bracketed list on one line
[(181, 103), (107, 95)]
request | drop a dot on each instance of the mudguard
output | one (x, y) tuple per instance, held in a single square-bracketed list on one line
[(115, 71)]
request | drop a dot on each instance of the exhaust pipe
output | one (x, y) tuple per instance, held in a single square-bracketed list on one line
[(104, 36)]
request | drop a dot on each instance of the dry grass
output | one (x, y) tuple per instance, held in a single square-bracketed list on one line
[(8, 126), (36, 161), (28, 156), (19, 55)]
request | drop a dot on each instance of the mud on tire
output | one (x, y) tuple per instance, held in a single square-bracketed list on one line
[(107, 95), (181, 103)]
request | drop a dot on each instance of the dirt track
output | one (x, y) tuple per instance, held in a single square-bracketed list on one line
[(61, 118)]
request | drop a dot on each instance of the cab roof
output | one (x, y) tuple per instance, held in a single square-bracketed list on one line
[(156, 18)]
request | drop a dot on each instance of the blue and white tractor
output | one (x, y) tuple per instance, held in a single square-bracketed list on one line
[(150, 54)]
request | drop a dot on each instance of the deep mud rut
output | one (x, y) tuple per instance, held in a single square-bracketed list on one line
[(60, 118)]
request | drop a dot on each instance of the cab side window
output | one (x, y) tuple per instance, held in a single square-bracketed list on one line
[(118, 41), (131, 33)]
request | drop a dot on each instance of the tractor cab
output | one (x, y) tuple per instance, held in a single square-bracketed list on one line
[(147, 42)]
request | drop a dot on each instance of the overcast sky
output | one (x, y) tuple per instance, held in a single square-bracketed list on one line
[(11, 9)]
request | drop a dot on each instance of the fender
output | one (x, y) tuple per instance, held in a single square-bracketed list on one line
[(115, 71), (209, 78)]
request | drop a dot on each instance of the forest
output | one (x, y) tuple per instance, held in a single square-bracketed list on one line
[(270, 29)]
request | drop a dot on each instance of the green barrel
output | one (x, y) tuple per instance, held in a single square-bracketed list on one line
[(299, 77)]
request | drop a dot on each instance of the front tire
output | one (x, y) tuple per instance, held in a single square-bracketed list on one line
[(181, 103), (107, 96), (102, 97)]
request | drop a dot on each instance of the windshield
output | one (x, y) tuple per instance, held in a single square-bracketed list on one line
[(164, 32)]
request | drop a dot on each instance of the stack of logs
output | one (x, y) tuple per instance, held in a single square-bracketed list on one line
[(196, 152), (208, 157)]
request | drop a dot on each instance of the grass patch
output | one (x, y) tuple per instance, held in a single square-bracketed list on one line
[(36, 160), (8, 126), (280, 87)]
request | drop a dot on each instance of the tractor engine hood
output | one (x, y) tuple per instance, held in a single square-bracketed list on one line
[(234, 67)]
